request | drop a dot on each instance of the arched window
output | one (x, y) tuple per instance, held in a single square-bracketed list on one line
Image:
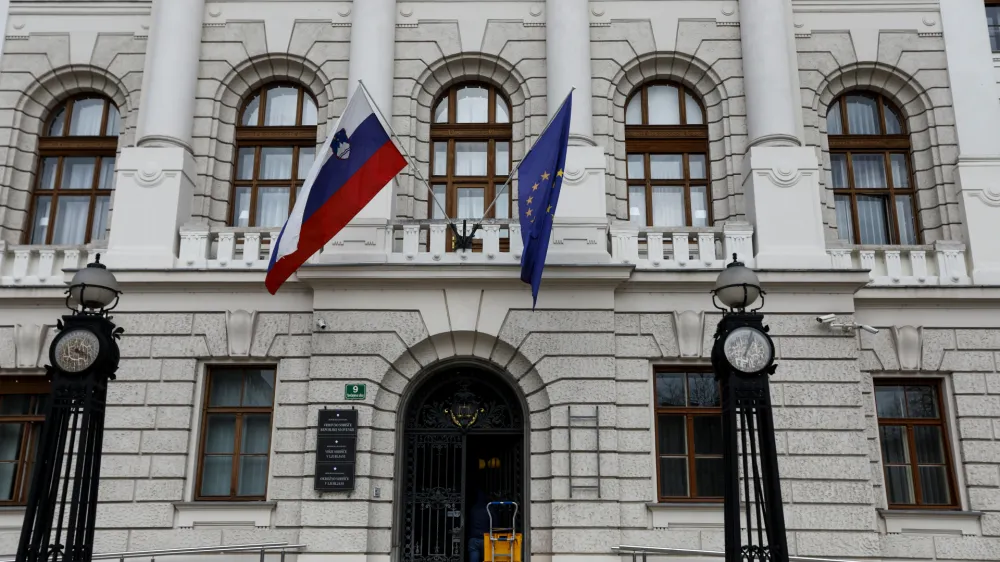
[(76, 173), (871, 174), (666, 141), (470, 152), (275, 147)]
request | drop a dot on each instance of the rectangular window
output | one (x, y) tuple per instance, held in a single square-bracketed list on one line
[(993, 25), (914, 442), (22, 409), (688, 437), (236, 433)]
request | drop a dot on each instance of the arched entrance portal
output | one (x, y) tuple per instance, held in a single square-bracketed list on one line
[(463, 440)]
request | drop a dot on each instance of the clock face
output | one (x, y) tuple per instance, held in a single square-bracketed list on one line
[(748, 350), (77, 350)]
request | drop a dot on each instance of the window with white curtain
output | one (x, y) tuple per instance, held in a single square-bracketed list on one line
[(667, 168), (913, 437), (470, 155), (275, 148), (76, 173), (22, 411), (870, 171), (236, 433)]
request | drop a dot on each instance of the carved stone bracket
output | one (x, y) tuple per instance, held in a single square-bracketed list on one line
[(28, 340), (240, 327), (690, 327), (909, 346)]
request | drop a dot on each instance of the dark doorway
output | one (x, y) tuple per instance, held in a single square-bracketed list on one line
[(464, 445)]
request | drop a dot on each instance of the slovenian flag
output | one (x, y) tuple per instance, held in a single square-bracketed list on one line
[(354, 164)]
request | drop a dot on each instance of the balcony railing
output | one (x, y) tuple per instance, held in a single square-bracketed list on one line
[(682, 248), (413, 241), (941, 263), (22, 265), (499, 242), (215, 247)]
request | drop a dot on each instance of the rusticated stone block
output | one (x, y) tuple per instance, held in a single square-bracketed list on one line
[(134, 515)]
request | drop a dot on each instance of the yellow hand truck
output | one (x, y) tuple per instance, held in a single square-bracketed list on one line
[(502, 544)]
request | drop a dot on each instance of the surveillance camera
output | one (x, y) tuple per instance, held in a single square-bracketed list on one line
[(826, 318), (869, 329), (321, 324)]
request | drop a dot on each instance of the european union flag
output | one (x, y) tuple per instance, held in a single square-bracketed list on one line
[(540, 176)]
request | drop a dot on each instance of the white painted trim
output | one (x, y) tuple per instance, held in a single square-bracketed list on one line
[(194, 439), (11, 518), (228, 514), (686, 516), (931, 522), (951, 426)]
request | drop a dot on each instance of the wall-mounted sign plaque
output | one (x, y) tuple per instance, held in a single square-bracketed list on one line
[(336, 450)]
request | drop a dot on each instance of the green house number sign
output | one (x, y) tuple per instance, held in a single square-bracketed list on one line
[(354, 392)]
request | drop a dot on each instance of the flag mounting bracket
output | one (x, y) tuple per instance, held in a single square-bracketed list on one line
[(464, 241)]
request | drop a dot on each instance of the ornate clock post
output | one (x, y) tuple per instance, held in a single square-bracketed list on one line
[(62, 502), (743, 358)]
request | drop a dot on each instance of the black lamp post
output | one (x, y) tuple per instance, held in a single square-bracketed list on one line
[(62, 503), (743, 358)]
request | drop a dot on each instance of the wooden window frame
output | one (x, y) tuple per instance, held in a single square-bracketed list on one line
[(689, 413), (909, 423), (36, 386), (885, 145), (491, 133), (239, 412), (260, 136), (682, 139), (66, 146), (993, 30)]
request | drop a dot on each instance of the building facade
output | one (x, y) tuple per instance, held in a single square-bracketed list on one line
[(846, 150)]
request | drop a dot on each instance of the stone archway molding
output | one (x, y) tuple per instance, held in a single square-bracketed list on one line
[(426, 358), (232, 89), (922, 114), (702, 79), (445, 72), (30, 112)]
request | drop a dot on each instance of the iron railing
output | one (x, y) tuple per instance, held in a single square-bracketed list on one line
[(263, 548), (640, 553)]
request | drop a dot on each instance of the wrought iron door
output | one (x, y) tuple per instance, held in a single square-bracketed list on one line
[(462, 431)]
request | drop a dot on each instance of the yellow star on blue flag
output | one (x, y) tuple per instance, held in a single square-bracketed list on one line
[(542, 170)]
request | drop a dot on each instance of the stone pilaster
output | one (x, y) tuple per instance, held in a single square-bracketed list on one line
[(155, 180), (581, 218), (780, 176), (373, 41), (973, 89)]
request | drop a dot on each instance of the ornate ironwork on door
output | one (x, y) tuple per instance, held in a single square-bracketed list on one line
[(463, 434)]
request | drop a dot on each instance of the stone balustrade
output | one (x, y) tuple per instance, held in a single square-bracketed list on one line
[(215, 247), (941, 263), (682, 248), (429, 241), (23, 265)]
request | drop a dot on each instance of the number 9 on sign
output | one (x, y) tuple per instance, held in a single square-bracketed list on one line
[(354, 391)]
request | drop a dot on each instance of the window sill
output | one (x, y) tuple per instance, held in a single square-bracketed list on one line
[(223, 514), (686, 515), (11, 517), (931, 522)]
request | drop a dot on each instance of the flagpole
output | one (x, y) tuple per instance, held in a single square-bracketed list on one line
[(510, 177), (416, 169)]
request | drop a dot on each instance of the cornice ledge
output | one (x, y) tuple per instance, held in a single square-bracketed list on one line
[(832, 281), (412, 275), (954, 296)]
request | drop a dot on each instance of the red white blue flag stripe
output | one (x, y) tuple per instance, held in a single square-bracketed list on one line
[(355, 163)]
